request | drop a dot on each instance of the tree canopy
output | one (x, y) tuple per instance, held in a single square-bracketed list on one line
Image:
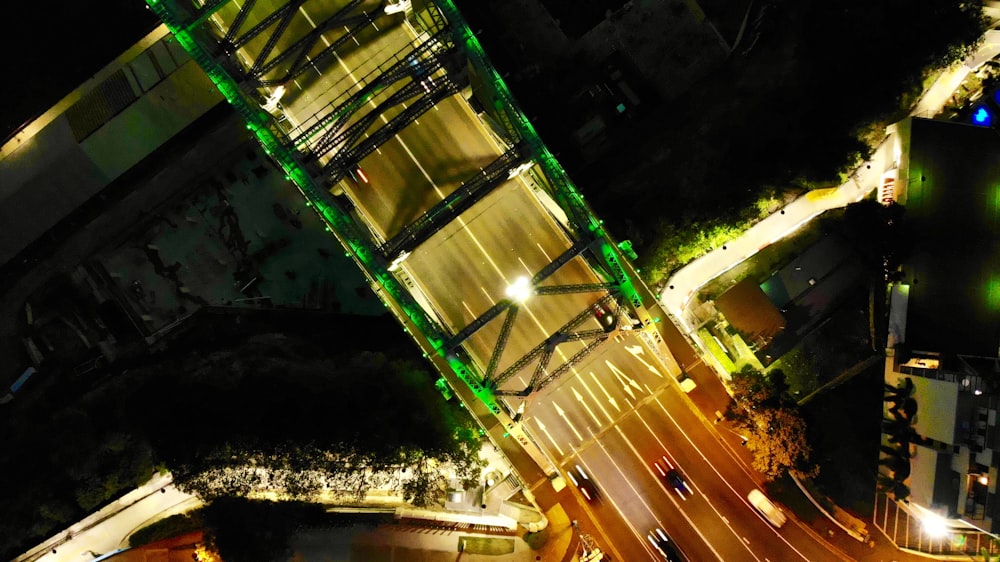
[(275, 410), (776, 431)]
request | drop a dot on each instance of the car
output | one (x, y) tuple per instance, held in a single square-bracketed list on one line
[(358, 175), (673, 476), (583, 483), (603, 316), (766, 507), (665, 546)]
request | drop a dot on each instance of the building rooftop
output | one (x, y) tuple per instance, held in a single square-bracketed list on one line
[(952, 205), (748, 309)]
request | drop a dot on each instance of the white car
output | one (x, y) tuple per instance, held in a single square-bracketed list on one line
[(766, 508)]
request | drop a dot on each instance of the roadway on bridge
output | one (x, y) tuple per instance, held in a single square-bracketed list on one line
[(462, 271), (614, 413)]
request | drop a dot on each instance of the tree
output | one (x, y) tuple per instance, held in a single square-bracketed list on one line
[(753, 389), (427, 486), (777, 437)]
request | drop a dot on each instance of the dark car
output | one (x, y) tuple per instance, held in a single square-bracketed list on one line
[(583, 482), (603, 316), (665, 546), (669, 472), (358, 175)]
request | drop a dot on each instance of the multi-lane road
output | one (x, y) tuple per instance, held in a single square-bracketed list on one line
[(614, 413)]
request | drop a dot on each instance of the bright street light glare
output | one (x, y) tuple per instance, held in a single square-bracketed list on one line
[(397, 7), (520, 289), (934, 525)]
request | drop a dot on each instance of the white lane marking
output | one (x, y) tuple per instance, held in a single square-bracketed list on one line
[(669, 496), (579, 398), (728, 485), (691, 482), (525, 266), (487, 293), (545, 430), (544, 253), (348, 30), (596, 400), (613, 402), (627, 382), (562, 414), (637, 352), (469, 310)]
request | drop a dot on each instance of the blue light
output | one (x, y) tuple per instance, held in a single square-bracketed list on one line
[(996, 96), (981, 116)]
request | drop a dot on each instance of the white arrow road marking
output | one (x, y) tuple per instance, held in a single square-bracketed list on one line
[(579, 397), (637, 351), (624, 379), (562, 414), (545, 430), (598, 402), (614, 403)]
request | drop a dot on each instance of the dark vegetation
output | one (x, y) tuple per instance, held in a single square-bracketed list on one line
[(291, 402), (242, 530), (796, 110), (844, 435), (894, 455), (766, 413), (172, 526)]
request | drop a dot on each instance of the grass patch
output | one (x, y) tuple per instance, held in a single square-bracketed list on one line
[(746, 356), (172, 526), (764, 263), (537, 539), (492, 546), (716, 351), (838, 344)]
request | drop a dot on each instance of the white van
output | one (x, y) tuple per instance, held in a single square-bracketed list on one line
[(766, 508)]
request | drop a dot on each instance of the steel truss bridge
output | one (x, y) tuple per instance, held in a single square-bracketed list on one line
[(327, 84)]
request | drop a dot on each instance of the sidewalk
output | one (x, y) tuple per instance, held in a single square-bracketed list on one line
[(683, 284), (108, 529)]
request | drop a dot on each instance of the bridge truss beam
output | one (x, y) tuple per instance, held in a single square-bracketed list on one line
[(301, 62), (456, 203), (337, 118), (544, 351), (576, 249), (176, 14), (350, 154), (502, 106)]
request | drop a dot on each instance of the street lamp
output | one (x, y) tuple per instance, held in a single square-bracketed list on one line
[(520, 289)]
